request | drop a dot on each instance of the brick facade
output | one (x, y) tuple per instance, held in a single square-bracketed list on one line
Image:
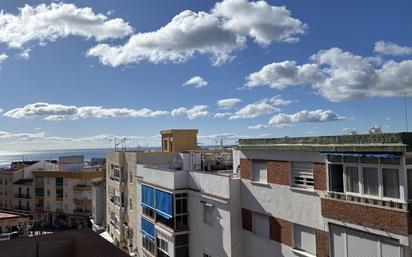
[(245, 168), (378, 218), (247, 219), (280, 230), (322, 243), (278, 172), (319, 176)]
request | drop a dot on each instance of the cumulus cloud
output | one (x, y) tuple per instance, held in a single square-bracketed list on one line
[(196, 81), (350, 131), (338, 76), (228, 103), (389, 48), (223, 114), (305, 116), (3, 57), (196, 112), (1, 110), (217, 33), (375, 130), (66, 112), (45, 23), (259, 126), (278, 100), (254, 110)]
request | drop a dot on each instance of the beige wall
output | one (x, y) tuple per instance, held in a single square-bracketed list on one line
[(5, 224), (181, 140)]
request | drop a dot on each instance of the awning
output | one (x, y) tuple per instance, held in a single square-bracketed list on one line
[(372, 155), (206, 203), (164, 204), (147, 228), (148, 196)]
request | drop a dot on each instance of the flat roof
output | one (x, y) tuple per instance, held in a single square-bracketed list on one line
[(380, 143), (169, 131)]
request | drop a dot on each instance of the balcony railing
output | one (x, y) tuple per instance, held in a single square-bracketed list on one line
[(383, 203), (22, 208), (82, 188), (24, 196)]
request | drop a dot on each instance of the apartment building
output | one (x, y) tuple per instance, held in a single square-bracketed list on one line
[(64, 197), (98, 218), (190, 207), (337, 196), (121, 184)]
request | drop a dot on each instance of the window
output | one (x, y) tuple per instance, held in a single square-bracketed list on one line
[(261, 225), (148, 244), (208, 216), (182, 245), (165, 144), (59, 181), (259, 172), (59, 192), (336, 177), (409, 172), (390, 179), (352, 179), (59, 205), (130, 177), (302, 173), (370, 181), (304, 239), (162, 246), (207, 254), (131, 204), (181, 221)]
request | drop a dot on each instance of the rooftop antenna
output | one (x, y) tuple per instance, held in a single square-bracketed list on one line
[(110, 143), (406, 112)]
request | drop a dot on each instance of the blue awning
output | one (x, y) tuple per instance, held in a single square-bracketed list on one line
[(147, 228), (164, 204), (372, 155), (148, 196)]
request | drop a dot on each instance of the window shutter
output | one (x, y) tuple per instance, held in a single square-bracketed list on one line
[(302, 173)]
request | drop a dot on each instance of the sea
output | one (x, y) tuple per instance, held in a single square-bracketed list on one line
[(7, 158)]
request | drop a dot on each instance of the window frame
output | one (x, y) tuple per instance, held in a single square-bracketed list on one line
[(295, 248), (252, 176), (379, 167)]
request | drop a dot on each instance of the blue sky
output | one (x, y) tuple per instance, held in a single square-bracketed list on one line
[(331, 68)]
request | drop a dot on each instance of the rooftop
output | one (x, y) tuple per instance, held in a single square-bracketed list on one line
[(169, 131), (27, 181), (381, 143), (71, 243), (10, 215)]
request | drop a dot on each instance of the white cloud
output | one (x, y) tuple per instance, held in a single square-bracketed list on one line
[(223, 114), (218, 33), (305, 116), (282, 74), (228, 103), (375, 130), (259, 20), (259, 126), (254, 110), (65, 112), (278, 100), (339, 76), (1, 110), (350, 131), (196, 112), (25, 54), (196, 81), (44, 23), (389, 48), (3, 57)]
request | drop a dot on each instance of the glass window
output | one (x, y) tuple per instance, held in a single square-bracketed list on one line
[(391, 161), (352, 179), (370, 181), (390, 179), (208, 216), (261, 225), (304, 239), (259, 172)]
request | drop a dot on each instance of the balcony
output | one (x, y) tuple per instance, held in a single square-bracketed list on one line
[(82, 212), (21, 208), (22, 196), (59, 198), (82, 188), (59, 210), (365, 200), (82, 201)]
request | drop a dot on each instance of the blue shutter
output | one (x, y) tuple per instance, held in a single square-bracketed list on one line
[(147, 228), (147, 196), (164, 204)]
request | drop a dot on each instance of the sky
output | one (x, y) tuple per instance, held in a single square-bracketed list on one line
[(77, 74)]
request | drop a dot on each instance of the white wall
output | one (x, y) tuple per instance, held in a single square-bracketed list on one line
[(210, 183), (171, 179), (256, 246), (283, 202), (217, 238), (41, 165)]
